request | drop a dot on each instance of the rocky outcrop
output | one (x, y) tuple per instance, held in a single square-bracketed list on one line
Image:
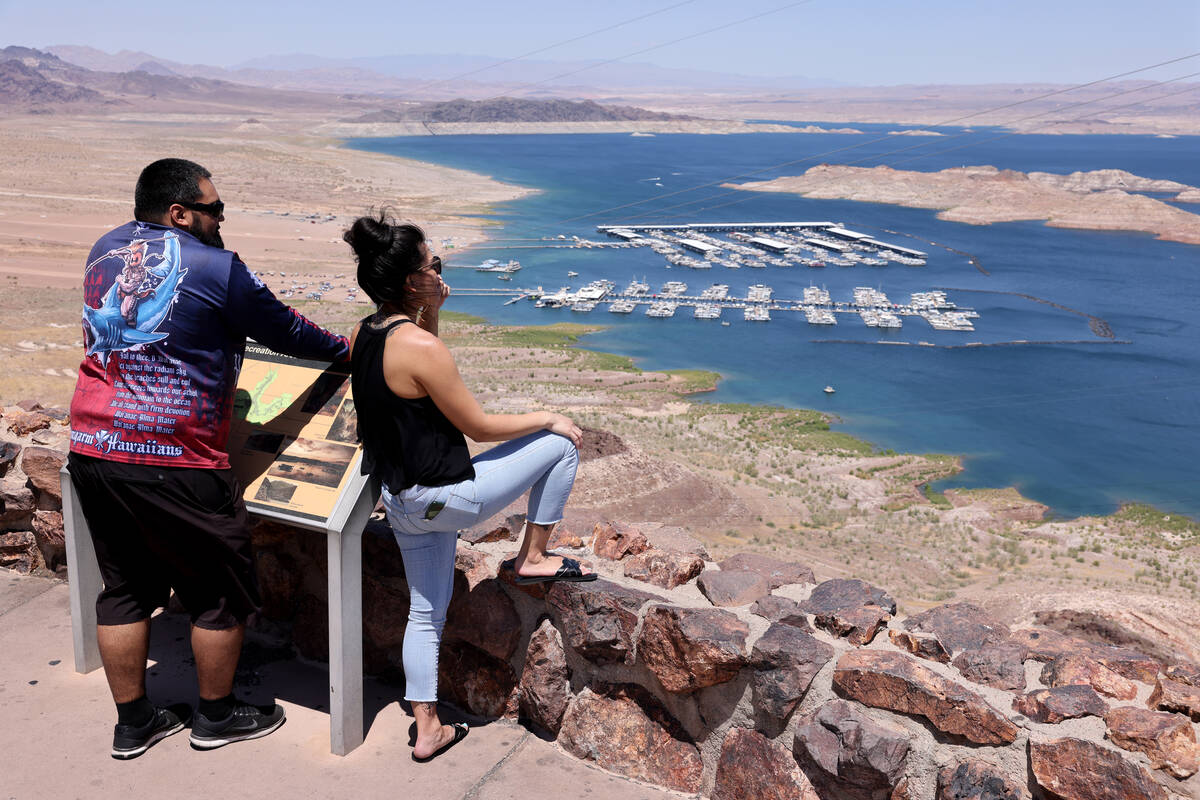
[(1074, 769), (691, 648), (898, 682), (1001, 666), (622, 728), (597, 619), (752, 766), (776, 572), (851, 608), (1072, 670), (1170, 695), (615, 541), (978, 780), (729, 588), (545, 689), (846, 754), (783, 610), (1065, 702), (1168, 739), (785, 660), (665, 568)]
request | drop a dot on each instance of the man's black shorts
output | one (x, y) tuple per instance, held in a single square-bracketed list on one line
[(163, 528)]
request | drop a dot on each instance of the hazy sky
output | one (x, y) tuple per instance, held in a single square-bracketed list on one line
[(851, 41)]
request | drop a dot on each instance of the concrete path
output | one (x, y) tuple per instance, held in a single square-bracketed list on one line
[(56, 730)]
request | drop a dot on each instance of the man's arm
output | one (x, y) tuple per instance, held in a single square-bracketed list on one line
[(255, 312)]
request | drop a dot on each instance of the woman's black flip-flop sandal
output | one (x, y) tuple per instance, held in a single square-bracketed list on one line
[(460, 733), (569, 572)]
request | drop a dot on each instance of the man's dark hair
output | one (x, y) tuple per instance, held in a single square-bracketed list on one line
[(164, 183)]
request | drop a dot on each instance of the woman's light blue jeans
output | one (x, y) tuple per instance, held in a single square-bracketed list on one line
[(543, 462)]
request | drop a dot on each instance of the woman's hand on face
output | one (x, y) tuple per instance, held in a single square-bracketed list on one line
[(565, 427)]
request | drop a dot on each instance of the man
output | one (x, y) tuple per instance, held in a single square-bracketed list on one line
[(167, 311)]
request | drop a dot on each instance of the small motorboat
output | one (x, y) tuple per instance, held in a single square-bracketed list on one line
[(829, 390)]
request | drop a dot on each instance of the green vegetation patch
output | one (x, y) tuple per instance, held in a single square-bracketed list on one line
[(695, 380), (562, 334), (794, 428), (935, 497), (461, 318), (604, 362), (1151, 518)]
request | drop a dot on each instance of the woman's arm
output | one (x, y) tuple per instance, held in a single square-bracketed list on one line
[(429, 362)]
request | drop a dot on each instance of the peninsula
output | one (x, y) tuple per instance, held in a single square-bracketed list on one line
[(1106, 200)]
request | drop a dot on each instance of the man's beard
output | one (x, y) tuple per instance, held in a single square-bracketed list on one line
[(211, 239)]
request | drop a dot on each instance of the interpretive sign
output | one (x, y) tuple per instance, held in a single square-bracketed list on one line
[(293, 443)]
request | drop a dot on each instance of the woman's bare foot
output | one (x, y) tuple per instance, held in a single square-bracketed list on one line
[(427, 746)]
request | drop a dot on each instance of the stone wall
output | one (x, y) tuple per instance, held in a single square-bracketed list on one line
[(743, 679), (32, 451), (749, 679)]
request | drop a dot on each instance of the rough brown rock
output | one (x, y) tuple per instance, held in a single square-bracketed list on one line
[(562, 536), (598, 444), (545, 691), (41, 466), (475, 680), (1045, 645), (623, 729), (23, 423), (692, 648), (597, 618), (29, 404), (19, 552), (783, 610), (921, 645), (1168, 739), (899, 682), (673, 539), (977, 780), (842, 593), (16, 505), (8, 454), (385, 614), (857, 625), (1073, 769), (664, 568), (1071, 670), (1169, 695), (51, 538), (310, 627), (471, 567), (1184, 673), (778, 573), (1064, 702), (1001, 666), (785, 660), (615, 540), (752, 766), (732, 588), (849, 756), (958, 626), (501, 533), (486, 617), (537, 591)]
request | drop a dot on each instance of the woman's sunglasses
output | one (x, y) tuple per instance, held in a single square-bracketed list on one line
[(436, 264)]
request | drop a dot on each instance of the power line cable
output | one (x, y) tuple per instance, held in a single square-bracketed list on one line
[(549, 47)]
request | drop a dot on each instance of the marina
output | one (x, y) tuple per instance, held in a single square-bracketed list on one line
[(872, 306)]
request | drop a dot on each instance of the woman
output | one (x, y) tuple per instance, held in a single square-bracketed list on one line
[(413, 412)]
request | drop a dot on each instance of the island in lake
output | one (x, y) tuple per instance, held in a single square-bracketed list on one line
[(1108, 199)]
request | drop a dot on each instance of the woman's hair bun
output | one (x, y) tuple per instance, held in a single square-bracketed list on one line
[(370, 237)]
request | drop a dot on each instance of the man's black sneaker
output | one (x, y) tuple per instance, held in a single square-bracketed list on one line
[(131, 741), (245, 722)]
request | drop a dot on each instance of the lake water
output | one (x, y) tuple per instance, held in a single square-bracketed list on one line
[(1076, 421)]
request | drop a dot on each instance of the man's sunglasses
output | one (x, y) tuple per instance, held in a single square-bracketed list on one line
[(213, 209)]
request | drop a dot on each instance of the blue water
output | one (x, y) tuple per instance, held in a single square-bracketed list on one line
[(1080, 426)]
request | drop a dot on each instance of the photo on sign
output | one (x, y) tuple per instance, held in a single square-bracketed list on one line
[(326, 394), (345, 424), (313, 461), (275, 491)]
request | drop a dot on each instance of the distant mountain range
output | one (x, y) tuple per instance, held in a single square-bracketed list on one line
[(429, 75)]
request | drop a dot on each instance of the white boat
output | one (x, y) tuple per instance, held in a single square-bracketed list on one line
[(583, 305), (572, 274), (829, 390), (707, 311), (622, 306), (638, 288), (756, 314), (674, 288), (661, 309)]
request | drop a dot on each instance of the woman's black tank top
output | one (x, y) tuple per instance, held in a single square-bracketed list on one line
[(405, 441)]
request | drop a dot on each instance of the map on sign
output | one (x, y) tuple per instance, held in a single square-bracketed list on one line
[(294, 443)]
